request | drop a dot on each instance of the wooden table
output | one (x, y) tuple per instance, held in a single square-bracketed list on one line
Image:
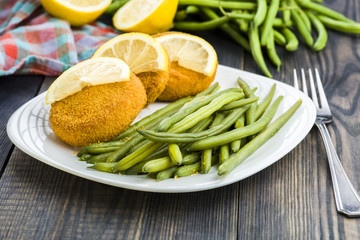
[(291, 199)]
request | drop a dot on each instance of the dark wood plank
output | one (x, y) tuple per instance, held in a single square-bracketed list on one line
[(292, 199), (14, 91)]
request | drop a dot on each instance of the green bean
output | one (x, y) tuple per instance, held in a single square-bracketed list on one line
[(256, 49), (265, 103), (304, 32), (167, 173), (302, 15), (97, 150), (99, 158), (191, 158), (219, 118), (137, 168), (191, 137), (240, 122), (137, 156), (175, 153), (206, 156), (286, 13), (269, 21), (239, 143), (258, 141), (250, 113), (158, 165), (236, 144), (162, 151), (237, 15), (111, 144), (238, 38), (188, 108), (188, 170), (215, 4), (85, 157), (197, 26), (320, 42), (224, 153), (292, 42), (239, 103), (341, 26), (202, 125), (204, 112), (103, 167), (243, 23), (271, 50), (279, 38), (279, 23), (122, 151), (324, 10), (238, 133), (138, 145), (260, 12)]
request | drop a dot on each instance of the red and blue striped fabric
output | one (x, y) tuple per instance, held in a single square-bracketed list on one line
[(32, 42)]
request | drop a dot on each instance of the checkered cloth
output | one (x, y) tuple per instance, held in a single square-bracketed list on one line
[(32, 42)]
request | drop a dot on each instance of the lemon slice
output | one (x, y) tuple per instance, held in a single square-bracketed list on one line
[(140, 51), (89, 72), (145, 16), (76, 12), (189, 51)]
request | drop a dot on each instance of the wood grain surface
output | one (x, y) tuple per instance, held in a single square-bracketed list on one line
[(291, 199)]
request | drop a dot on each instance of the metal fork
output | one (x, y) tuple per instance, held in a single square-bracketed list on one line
[(346, 198)]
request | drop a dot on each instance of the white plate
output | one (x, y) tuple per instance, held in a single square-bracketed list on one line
[(28, 128)]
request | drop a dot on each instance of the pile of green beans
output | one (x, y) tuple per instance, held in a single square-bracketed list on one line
[(191, 135), (259, 25)]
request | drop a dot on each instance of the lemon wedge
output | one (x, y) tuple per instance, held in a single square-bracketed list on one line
[(76, 12), (87, 73), (145, 16)]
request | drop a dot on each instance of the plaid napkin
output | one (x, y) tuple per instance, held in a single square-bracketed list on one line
[(33, 42)]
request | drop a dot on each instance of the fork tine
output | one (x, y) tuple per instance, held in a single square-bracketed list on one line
[(324, 102), (303, 82), (313, 90), (296, 84)]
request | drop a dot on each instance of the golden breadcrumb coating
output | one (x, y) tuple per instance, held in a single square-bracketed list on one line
[(154, 83), (97, 113), (184, 82)]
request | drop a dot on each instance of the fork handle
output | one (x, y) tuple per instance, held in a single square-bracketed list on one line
[(346, 198)]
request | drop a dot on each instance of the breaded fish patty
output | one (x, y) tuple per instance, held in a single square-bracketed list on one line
[(154, 83), (184, 82), (97, 113)]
